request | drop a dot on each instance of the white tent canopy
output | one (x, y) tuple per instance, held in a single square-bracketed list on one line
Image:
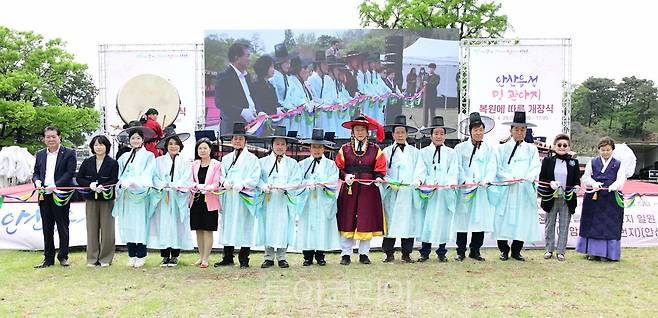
[(445, 54)]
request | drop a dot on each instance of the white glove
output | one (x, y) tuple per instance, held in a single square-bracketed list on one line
[(485, 182), (576, 189), (279, 110), (261, 114), (555, 185), (209, 187), (93, 186), (614, 187), (349, 179), (100, 188), (37, 184), (248, 114), (596, 184), (415, 184), (267, 188), (227, 185), (238, 186)]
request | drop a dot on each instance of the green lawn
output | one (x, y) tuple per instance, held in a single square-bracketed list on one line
[(537, 287)]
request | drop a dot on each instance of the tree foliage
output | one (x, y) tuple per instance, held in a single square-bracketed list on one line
[(471, 18), (625, 107), (41, 85)]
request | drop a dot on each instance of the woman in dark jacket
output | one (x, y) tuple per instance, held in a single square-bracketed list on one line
[(99, 173), (559, 173), (262, 91), (411, 82)]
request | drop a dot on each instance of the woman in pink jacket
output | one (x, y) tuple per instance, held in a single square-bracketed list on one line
[(204, 206)]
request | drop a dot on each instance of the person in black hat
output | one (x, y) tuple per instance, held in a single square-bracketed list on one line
[(302, 94), (320, 74), (477, 166), (516, 218), (170, 222), (281, 78), (240, 177), (277, 213), (431, 85), (151, 122), (399, 207), (232, 88), (131, 208), (354, 60), (439, 167), (333, 92), (317, 231)]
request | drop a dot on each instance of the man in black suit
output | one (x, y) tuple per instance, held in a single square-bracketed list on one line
[(54, 167), (232, 88)]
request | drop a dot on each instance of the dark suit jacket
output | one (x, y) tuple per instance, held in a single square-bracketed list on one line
[(230, 98), (64, 168), (547, 174), (264, 96), (108, 174)]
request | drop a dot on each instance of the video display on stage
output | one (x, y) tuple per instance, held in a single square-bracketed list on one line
[(305, 79)]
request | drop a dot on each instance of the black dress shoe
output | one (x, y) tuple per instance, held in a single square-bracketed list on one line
[(423, 258), (518, 257), (503, 256), (460, 257), (267, 264), (165, 262), (389, 258), (283, 264), (443, 258), (345, 260), (476, 257), (308, 262), (64, 262), (244, 265), (43, 265), (406, 258), (225, 262), (322, 262), (363, 259)]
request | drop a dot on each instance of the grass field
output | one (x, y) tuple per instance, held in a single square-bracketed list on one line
[(537, 287)]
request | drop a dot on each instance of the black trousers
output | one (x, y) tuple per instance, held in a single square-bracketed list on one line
[(503, 246), (406, 244), (309, 254), (477, 239), (170, 252), (243, 255), (52, 215), (136, 250)]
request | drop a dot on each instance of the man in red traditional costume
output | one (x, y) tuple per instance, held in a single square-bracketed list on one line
[(360, 213)]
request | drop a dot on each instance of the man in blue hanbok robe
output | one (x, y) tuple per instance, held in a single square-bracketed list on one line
[(317, 231), (241, 175), (439, 167), (277, 211), (477, 164), (400, 201), (516, 212)]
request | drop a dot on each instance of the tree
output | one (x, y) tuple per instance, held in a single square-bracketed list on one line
[(593, 100), (289, 40), (639, 104), (41, 85), (473, 20)]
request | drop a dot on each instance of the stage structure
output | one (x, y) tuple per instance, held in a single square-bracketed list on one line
[(501, 76), (168, 77)]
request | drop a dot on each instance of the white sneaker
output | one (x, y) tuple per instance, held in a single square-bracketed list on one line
[(131, 261), (560, 257), (105, 265), (140, 261), (548, 255), (91, 265)]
